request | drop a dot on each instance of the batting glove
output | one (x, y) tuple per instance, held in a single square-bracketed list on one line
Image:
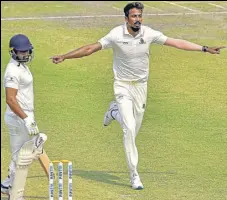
[(39, 142), (31, 126)]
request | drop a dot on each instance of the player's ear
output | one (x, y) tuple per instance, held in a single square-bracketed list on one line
[(126, 19)]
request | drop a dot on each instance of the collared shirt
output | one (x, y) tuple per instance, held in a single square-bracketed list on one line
[(19, 77), (131, 54)]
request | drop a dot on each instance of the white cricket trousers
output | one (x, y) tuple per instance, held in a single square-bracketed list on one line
[(18, 136), (131, 98)]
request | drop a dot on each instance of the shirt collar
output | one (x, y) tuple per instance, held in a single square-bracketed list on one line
[(17, 63), (14, 61), (141, 31)]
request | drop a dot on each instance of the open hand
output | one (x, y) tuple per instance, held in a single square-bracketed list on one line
[(215, 50)]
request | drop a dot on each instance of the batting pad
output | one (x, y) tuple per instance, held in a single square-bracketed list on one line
[(24, 159)]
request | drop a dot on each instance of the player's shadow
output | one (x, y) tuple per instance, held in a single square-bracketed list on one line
[(26, 197), (109, 178), (35, 197), (100, 176)]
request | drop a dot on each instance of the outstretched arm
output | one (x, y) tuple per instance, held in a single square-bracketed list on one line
[(78, 53), (189, 46)]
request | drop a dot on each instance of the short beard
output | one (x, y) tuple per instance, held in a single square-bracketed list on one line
[(135, 29)]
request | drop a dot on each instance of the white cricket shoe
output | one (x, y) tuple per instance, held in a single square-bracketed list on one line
[(108, 118), (5, 190), (136, 183)]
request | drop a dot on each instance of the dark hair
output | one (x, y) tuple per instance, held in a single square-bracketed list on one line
[(132, 5)]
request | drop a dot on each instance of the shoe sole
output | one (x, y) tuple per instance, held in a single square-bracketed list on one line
[(139, 188)]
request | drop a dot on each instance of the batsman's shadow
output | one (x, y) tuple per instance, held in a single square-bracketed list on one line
[(26, 197), (100, 176)]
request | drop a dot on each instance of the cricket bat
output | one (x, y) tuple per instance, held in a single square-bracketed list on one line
[(44, 161)]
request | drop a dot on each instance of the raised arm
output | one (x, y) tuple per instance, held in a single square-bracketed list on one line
[(189, 46), (78, 53)]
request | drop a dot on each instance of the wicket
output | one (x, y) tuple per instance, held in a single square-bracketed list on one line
[(60, 179)]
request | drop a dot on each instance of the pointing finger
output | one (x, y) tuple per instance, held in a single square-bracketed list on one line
[(223, 47)]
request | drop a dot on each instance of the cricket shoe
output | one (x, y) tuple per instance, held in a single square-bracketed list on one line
[(5, 189), (108, 118), (136, 183)]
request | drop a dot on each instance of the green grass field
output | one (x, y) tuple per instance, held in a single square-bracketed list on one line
[(183, 140)]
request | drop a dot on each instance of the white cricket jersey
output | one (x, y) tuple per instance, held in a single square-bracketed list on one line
[(131, 54), (19, 77)]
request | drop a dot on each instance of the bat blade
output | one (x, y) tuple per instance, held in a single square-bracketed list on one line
[(45, 161)]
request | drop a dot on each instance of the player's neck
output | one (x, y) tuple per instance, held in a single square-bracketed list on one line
[(131, 32)]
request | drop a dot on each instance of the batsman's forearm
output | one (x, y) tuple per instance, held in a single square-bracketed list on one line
[(15, 107), (78, 53), (186, 45)]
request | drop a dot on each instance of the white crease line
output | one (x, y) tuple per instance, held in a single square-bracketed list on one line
[(59, 17), (212, 4), (181, 6), (182, 2), (152, 7), (197, 13), (116, 8), (101, 16)]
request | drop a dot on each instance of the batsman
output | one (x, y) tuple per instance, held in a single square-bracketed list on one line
[(26, 141)]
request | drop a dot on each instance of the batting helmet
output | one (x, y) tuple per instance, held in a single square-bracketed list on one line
[(21, 43)]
